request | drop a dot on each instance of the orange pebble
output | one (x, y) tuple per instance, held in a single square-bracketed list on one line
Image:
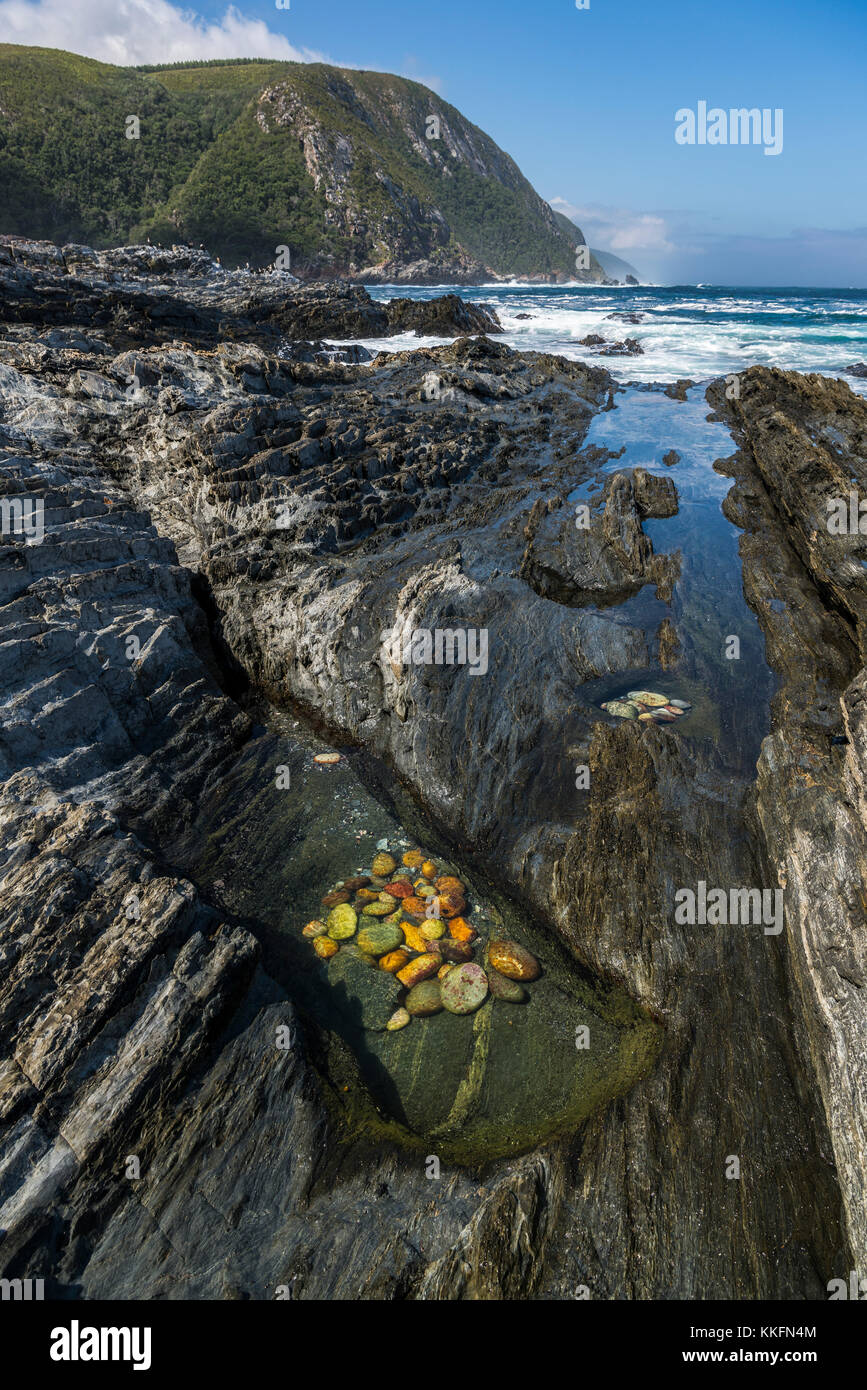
[(429, 869), (419, 969), (413, 858), (451, 905), (461, 930), (449, 884), (394, 961), (443, 971), (325, 947), (415, 906)]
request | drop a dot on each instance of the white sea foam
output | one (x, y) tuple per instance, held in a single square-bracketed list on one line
[(682, 333)]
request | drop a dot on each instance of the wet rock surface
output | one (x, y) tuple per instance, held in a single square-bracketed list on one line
[(258, 523), (803, 447)]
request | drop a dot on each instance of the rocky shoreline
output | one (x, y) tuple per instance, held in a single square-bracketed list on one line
[(232, 514)]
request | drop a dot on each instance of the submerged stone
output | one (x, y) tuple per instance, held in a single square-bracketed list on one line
[(513, 960), (383, 865), (424, 999), (314, 928), (447, 883), (413, 858), (503, 988), (399, 1019), (393, 961), (461, 930), (378, 909), (453, 950), (400, 888), (378, 938), (622, 709), (325, 947), (464, 988), (342, 921), (419, 969), (413, 937), (647, 697), (340, 895)]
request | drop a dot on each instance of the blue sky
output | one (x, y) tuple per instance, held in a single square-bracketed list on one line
[(585, 101)]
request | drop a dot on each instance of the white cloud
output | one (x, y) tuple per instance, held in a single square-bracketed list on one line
[(411, 69), (127, 32), (618, 229)]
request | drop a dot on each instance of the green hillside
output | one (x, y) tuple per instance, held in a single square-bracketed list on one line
[(245, 156)]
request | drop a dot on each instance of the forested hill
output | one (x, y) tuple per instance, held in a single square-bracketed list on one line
[(356, 173)]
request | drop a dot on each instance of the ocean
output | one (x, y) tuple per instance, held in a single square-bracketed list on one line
[(697, 331)]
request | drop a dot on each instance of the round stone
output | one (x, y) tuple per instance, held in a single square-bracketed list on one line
[(400, 888), (378, 938), (399, 1019), (647, 697), (456, 951), (622, 709), (432, 929), (393, 961), (325, 947), (513, 961), (680, 704), (429, 869), (378, 909), (503, 988), (342, 921), (315, 928), (413, 858), (447, 883), (424, 999), (383, 865), (464, 988)]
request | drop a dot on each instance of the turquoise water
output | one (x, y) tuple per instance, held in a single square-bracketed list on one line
[(685, 331)]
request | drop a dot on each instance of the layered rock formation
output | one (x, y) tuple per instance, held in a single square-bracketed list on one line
[(258, 522)]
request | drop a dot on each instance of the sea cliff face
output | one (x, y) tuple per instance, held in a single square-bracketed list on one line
[(257, 513)]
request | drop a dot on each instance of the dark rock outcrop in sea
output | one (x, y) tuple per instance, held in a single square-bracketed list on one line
[(256, 523)]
